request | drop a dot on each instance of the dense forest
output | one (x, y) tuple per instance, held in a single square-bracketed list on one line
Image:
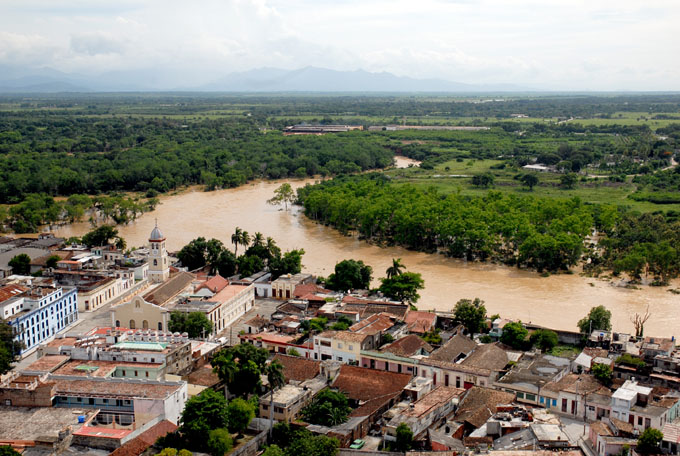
[(69, 155), (541, 233)]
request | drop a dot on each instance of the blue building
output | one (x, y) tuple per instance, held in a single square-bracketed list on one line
[(38, 310)]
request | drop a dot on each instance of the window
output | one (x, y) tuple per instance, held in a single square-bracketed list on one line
[(339, 344), (351, 347), (541, 400)]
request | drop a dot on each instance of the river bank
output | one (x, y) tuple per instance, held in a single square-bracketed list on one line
[(557, 301)]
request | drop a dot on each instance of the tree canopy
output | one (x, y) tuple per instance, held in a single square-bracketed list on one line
[(514, 335), (403, 287), (350, 275), (196, 324), (284, 194), (471, 314), (599, 318), (329, 408)]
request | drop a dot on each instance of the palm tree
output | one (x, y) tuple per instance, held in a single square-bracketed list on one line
[(245, 238), (258, 240), (395, 269), (276, 380), (225, 367), (236, 238)]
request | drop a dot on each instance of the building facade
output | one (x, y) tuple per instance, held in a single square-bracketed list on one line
[(159, 267)]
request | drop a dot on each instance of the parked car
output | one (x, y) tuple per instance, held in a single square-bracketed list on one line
[(357, 444)]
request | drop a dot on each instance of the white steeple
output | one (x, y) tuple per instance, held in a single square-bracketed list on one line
[(159, 269)]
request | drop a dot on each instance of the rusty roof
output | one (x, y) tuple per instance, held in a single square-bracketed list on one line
[(297, 368), (364, 384), (48, 363), (204, 376), (11, 291), (308, 288)]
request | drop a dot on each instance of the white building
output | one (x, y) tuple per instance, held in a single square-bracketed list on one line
[(159, 267)]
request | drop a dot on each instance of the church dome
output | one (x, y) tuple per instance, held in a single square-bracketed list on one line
[(156, 234)]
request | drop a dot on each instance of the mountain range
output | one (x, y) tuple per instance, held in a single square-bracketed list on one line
[(308, 79)]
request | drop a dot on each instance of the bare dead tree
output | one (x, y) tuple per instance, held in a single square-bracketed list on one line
[(639, 322)]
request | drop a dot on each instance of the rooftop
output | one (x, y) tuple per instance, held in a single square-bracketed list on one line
[(214, 284), (431, 401), (169, 289), (373, 325), (47, 363), (407, 346), (297, 368), (459, 345), (479, 403), (365, 384), (112, 388), (487, 356), (36, 423), (534, 372), (420, 322)]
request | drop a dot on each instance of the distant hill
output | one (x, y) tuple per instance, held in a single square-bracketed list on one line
[(308, 79)]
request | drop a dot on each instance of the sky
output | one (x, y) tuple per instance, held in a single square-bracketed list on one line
[(542, 44)]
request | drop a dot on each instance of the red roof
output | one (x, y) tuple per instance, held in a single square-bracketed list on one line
[(308, 288), (297, 368), (373, 324), (364, 384), (138, 445), (214, 284), (11, 291), (420, 322)]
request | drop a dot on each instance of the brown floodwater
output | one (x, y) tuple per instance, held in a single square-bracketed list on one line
[(558, 301)]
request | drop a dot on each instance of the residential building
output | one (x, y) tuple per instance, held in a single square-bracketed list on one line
[(37, 310), (343, 346), (418, 322), (375, 326), (284, 286), (426, 411), (530, 375)]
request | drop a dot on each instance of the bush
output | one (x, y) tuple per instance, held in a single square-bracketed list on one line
[(219, 442), (545, 339), (514, 335)]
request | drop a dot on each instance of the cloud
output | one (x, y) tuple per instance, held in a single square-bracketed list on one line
[(96, 43)]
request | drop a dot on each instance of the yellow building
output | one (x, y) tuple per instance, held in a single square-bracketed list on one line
[(140, 314)]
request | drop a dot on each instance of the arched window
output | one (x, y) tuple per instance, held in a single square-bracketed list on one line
[(117, 323), (155, 262), (145, 324), (160, 326), (132, 324)]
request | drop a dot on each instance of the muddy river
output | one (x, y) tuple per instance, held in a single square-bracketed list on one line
[(557, 301)]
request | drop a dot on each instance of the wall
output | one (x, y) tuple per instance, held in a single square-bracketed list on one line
[(137, 310), (38, 397)]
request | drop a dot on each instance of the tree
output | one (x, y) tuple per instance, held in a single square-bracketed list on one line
[(283, 195), (276, 380), (192, 255), (100, 236), (649, 441), (240, 413), (20, 264), (404, 438), (196, 324), (202, 414), (293, 352), (342, 324), (273, 450), (483, 180), (545, 339), (599, 318), (329, 408), (350, 275), (471, 314), (514, 335), (529, 180), (639, 322), (52, 261), (258, 240), (403, 287), (240, 367), (603, 373), (568, 181), (433, 336), (289, 263), (225, 367), (395, 269), (219, 442), (237, 238), (10, 347), (304, 443), (7, 450)]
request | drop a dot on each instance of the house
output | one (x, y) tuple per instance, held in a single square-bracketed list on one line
[(162, 294), (605, 441), (374, 327), (284, 286), (343, 346), (657, 346), (636, 405), (419, 322), (296, 369), (568, 394), (530, 375), (426, 411), (671, 438), (476, 406), (37, 310), (7, 255), (289, 400), (400, 356)]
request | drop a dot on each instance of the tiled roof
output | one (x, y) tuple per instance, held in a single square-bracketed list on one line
[(297, 368), (480, 403), (364, 384), (214, 284), (453, 348), (600, 428), (11, 291), (577, 384), (373, 324), (347, 336), (671, 433), (204, 377), (48, 363), (169, 289), (257, 322), (308, 288), (622, 426), (138, 445), (407, 346), (487, 356), (420, 322), (62, 254), (108, 387)]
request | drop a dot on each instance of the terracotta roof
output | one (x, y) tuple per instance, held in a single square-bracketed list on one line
[(308, 288), (480, 403), (600, 428), (108, 387), (48, 363), (622, 426), (297, 368), (487, 356), (373, 324), (257, 322), (169, 289), (214, 284), (11, 291), (348, 336), (420, 322), (366, 310), (671, 433), (364, 384), (138, 445), (204, 376), (62, 254), (453, 348), (407, 346)]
